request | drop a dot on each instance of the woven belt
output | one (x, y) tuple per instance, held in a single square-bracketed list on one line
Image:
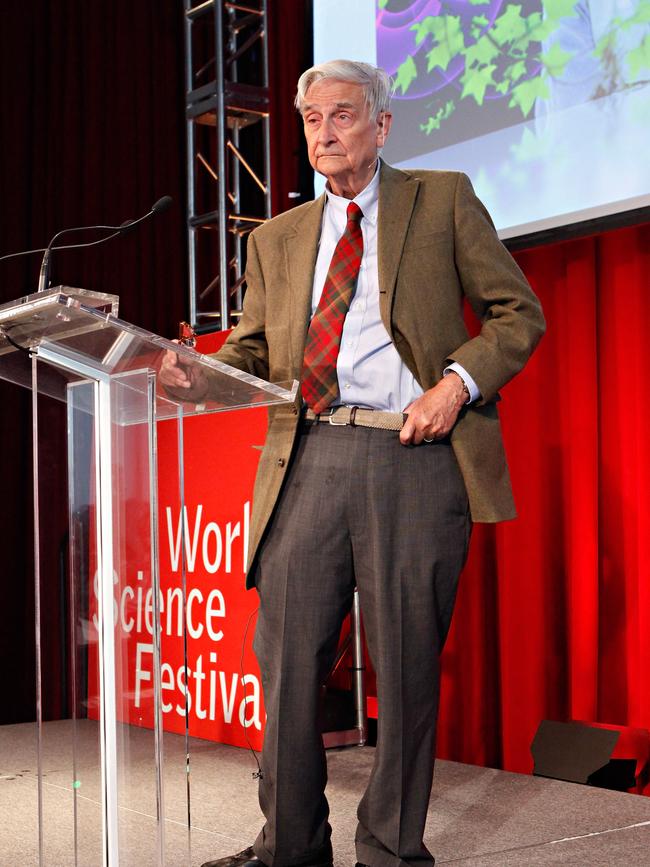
[(357, 417)]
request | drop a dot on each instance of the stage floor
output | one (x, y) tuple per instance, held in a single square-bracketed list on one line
[(478, 817)]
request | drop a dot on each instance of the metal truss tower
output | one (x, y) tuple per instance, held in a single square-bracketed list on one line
[(228, 149)]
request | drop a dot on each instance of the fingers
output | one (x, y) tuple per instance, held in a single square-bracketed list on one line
[(407, 432), (421, 434), (416, 429), (419, 428), (431, 416), (171, 372)]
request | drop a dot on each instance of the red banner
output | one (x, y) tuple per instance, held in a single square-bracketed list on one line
[(221, 685)]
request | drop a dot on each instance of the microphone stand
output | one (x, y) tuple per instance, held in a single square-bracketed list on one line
[(44, 273)]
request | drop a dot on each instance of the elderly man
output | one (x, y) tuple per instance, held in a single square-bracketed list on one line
[(374, 478)]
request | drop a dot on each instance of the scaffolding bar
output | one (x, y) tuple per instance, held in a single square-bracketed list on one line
[(228, 168)]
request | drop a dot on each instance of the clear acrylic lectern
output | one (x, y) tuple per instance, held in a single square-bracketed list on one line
[(68, 345)]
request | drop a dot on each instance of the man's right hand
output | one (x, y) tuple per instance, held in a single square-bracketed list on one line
[(174, 375)]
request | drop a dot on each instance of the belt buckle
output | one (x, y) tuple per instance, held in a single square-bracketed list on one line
[(330, 419)]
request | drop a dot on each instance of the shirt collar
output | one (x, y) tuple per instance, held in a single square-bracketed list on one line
[(367, 199)]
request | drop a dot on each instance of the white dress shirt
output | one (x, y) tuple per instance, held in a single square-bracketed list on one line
[(369, 368)]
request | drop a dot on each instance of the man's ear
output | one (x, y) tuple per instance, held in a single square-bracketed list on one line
[(384, 122)]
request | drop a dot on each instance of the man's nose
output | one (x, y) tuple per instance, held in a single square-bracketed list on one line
[(326, 132)]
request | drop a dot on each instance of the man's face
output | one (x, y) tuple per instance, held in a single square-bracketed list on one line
[(342, 138)]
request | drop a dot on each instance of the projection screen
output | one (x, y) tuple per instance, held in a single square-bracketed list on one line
[(545, 104)]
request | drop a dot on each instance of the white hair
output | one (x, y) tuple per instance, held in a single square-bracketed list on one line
[(376, 83)]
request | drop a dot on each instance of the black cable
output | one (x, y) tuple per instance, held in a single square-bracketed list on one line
[(13, 342), (258, 775), (70, 246), (157, 208)]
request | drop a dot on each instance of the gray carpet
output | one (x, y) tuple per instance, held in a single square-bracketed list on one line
[(478, 817)]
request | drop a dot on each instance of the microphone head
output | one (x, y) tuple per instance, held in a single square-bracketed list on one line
[(161, 205)]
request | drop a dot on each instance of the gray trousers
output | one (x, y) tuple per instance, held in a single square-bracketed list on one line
[(357, 508)]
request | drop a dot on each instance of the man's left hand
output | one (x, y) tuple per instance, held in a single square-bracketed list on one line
[(434, 414)]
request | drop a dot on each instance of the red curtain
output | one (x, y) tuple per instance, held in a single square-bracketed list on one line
[(290, 53), (553, 614), (93, 131), (92, 102)]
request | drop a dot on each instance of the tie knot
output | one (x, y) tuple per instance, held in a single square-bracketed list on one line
[(354, 213)]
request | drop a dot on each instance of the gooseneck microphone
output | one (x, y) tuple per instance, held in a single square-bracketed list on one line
[(43, 280), (156, 208)]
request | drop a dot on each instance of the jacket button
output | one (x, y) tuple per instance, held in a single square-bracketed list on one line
[(281, 462)]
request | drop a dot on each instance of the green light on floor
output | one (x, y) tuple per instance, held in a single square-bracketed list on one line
[(76, 784)]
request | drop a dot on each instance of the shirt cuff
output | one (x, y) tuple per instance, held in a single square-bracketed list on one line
[(472, 387)]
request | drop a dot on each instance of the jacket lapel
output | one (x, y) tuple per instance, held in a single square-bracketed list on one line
[(301, 250), (397, 194)]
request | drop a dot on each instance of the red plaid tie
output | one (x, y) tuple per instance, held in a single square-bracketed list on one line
[(319, 382)]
